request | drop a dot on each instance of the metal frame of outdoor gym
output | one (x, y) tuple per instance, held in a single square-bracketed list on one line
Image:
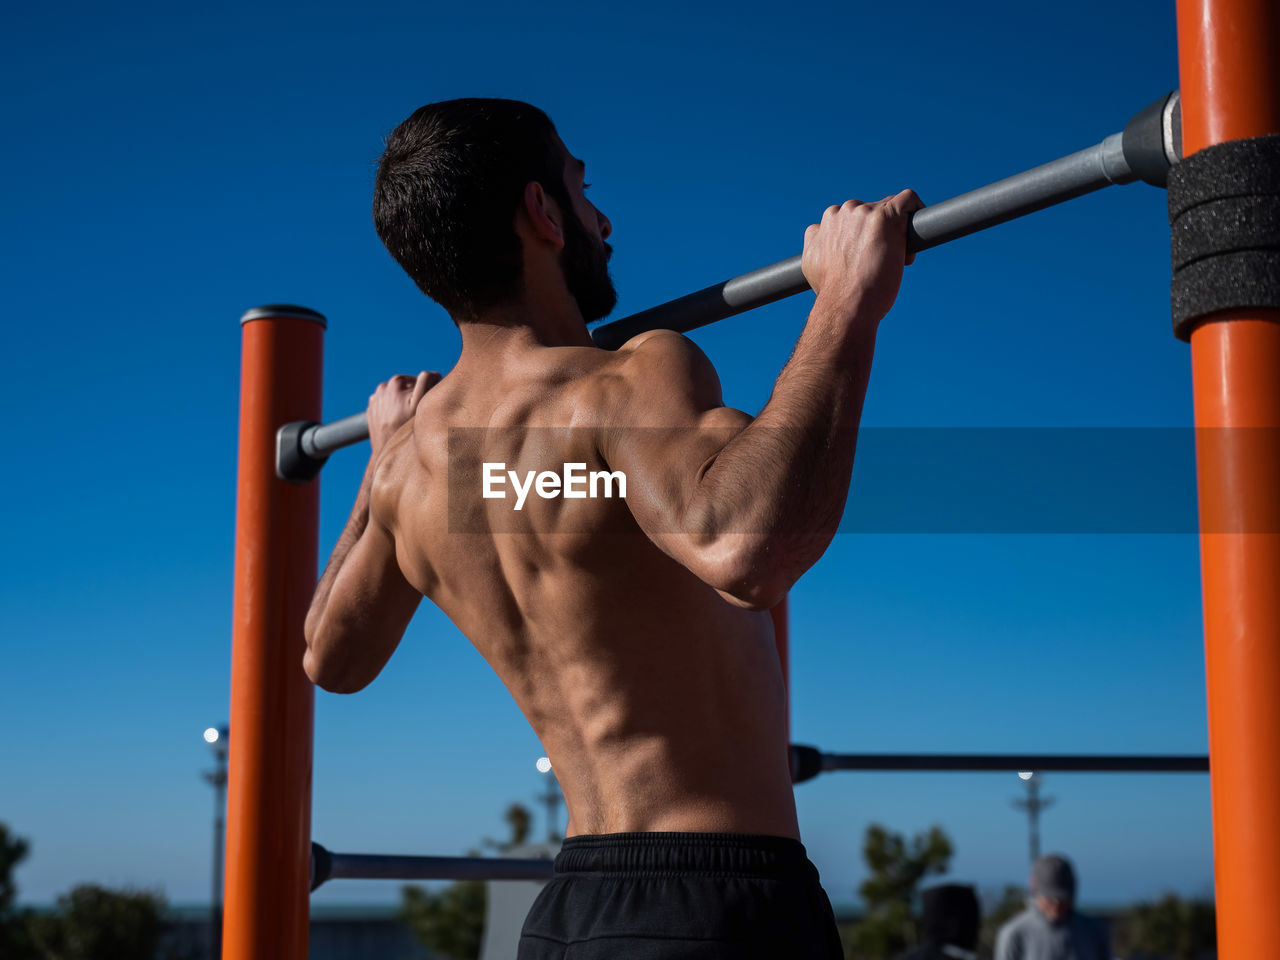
[(1229, 62)]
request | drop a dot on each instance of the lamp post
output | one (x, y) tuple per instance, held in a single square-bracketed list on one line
[(217, 738), (1033, 804), (551, 798)]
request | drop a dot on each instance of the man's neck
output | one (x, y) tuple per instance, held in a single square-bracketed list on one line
[(519, 327)]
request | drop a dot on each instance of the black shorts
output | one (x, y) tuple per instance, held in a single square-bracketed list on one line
[(693, 896)]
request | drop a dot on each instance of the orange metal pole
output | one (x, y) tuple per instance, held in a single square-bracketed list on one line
[(1229, 57), (782, 637), (272, 702)]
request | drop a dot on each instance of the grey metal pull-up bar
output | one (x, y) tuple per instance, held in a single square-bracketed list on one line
[(1145, 150), (808, 762), (374, 866)]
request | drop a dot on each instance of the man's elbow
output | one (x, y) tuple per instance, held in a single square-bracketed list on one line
[(754, 596), (328, 675), (747, 579)]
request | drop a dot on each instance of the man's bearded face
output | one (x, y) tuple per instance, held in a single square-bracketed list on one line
[(585, 261)]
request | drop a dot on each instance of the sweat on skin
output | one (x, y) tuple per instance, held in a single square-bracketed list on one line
[(572, 483)]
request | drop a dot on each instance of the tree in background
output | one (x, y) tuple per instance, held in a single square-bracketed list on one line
[(451, 921), (13, 850), (1169, 929), (519, 822), (897, 867), (92, 922), (14, 940), (89, 923)]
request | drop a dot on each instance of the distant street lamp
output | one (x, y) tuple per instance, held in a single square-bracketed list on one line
[(1033, 804), (551, 798), (218, 739)]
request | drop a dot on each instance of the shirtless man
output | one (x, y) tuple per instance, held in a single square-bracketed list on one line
[(633, 633)]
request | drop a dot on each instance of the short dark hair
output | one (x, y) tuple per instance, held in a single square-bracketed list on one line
[(448, 187)]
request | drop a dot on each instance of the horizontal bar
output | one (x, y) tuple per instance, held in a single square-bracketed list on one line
[(807, 762), (365, 866), (1044, 186), (372, 866), (1013, 762), (328, 437), (1147, 143)]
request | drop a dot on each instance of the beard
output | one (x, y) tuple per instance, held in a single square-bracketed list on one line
[(586, 271)]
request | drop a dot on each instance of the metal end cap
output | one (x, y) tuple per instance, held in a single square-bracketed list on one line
[(278, 310)]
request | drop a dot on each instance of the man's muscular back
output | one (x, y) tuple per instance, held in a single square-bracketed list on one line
[(659, 701), (632, 634)]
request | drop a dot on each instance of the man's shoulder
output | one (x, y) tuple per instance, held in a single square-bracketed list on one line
[(657, 339), (1015, 936), (1026, 920), (654, 374), (666, 347)]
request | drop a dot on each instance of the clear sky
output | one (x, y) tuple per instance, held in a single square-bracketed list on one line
[(168, 166)]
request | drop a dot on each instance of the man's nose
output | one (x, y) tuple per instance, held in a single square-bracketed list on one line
[(606, 227)]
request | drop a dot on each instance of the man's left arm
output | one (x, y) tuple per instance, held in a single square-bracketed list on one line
[(363, 603)]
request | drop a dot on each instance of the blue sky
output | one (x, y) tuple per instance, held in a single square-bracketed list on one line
[(168, 167)]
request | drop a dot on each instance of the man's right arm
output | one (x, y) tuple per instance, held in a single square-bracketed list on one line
[(749, 506), (363, 603)]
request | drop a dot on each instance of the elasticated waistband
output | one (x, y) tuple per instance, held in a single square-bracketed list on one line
[(653, 854)]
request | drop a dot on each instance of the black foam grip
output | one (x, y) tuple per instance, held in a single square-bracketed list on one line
[(1233, 281), (1224, 212), (1237, 168), (1226, 226)]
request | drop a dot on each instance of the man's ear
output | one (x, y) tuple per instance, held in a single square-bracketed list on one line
[(543, 214)]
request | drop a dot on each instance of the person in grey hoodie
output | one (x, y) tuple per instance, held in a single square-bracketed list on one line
[(1051, 929)]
